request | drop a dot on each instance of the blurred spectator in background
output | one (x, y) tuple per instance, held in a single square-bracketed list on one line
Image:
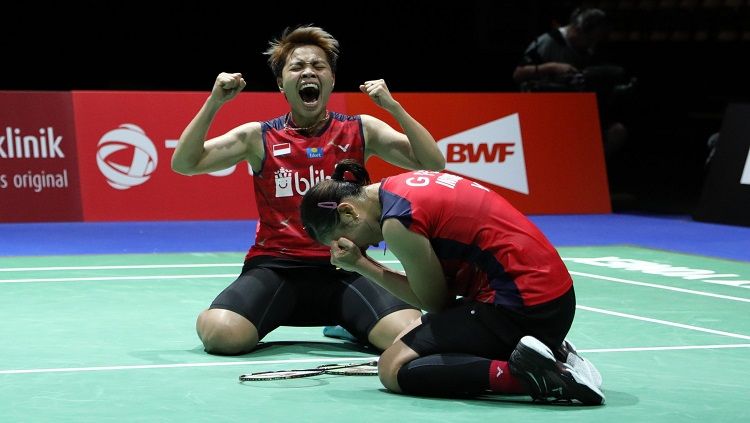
[(562, 59)]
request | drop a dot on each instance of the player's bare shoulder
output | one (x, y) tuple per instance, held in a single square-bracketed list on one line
[(251, 136), (372, 127)]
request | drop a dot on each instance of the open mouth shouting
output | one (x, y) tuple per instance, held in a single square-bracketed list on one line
[(309, 92)]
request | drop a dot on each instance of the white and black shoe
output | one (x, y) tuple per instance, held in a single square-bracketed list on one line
[(549, 379), (567, 354)]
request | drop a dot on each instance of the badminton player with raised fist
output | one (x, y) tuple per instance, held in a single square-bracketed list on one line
[(287, 278)]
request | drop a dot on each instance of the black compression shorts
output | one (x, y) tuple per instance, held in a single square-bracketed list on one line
[(272, 292), (491, 331)]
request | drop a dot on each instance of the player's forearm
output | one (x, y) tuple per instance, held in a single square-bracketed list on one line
[(396, 283), (432, 295), (189, 150), (422, 143)]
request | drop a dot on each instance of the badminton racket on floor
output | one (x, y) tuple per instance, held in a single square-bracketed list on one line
[(369, 368)]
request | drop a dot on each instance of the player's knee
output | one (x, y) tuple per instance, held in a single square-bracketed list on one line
[(390, 363), (388, 373), (225, 332)]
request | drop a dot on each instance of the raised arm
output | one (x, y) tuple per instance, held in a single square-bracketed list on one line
[(196, 155), (415, 148)]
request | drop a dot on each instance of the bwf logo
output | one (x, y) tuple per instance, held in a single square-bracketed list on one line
[(135, 151), (492, 153), (745, 178)]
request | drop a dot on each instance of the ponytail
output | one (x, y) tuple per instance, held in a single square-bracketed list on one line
[(351, 171)]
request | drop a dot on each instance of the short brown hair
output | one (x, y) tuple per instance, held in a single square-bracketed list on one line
[(280, 48)]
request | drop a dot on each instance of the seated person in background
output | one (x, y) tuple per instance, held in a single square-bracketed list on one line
[(562, 60)]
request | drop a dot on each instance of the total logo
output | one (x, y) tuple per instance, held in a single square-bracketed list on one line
[(140, 157), (127, 157), (492, 152)]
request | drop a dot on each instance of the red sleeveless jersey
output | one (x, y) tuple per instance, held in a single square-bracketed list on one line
[(488, 250), (292, 164)]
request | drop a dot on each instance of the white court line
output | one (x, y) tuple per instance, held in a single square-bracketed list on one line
[(178, 365), (135, 266), (669, 288), (682, 347), (337, 359), (108, 278), (664, 322), (118, 278), (164, 266)]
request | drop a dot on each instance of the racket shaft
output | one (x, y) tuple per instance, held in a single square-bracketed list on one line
[(281, 374)]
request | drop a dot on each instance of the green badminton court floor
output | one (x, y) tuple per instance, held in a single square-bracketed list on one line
[(111, 338)]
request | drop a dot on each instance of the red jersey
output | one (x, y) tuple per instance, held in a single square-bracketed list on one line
[(488, 250), (292, 164)]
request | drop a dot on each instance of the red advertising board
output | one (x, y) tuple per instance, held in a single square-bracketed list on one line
[(126, 140), (38, 170), (543, 152)]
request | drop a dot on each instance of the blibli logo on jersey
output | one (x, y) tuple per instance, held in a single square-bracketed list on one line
[(288, 182), (283, 179), (314, 153), (492, 152)]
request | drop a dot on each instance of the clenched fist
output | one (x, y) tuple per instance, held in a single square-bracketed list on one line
[(345, 254), (379, 93), (227, 86)]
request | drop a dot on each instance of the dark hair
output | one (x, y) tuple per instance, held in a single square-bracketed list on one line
[(280, 48), (319, 205), (589, 19)]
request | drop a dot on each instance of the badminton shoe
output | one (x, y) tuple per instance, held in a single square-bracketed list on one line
[(567, 353), (550, 380)]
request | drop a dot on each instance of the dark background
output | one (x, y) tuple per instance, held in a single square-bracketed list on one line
[(690, 58)]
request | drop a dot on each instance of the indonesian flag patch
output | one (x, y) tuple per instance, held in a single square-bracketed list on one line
[(282, 149)]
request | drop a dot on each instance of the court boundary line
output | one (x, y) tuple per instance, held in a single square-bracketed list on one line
[(318, 360), (663, 322), (673, 348), (181, 365), (118, 278), (657, 286), (234, 275), (117, 267)]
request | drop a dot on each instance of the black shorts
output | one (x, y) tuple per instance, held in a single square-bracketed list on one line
[(272, 292), (491, 331)]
